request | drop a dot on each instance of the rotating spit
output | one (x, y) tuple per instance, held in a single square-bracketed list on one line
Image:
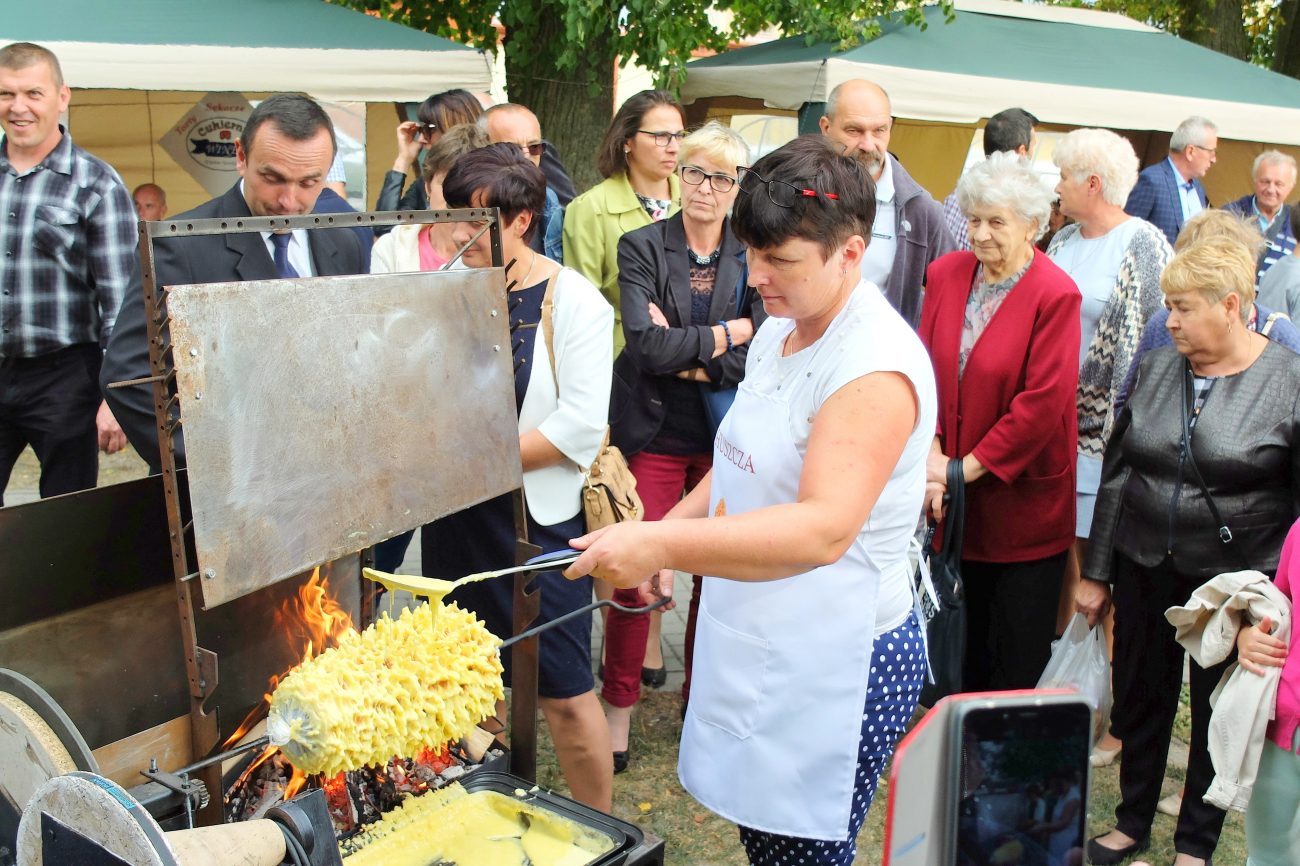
[(321, 415)]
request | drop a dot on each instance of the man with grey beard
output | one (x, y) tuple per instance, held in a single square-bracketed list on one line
[(909, 230)]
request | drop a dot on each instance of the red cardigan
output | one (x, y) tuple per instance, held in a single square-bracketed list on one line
[(1014, 408)]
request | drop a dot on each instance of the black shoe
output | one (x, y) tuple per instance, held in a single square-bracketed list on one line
[(654, 677), (620, 762), (1100, 855)]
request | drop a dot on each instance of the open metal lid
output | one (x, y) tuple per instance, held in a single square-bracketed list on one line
[(325, 414)]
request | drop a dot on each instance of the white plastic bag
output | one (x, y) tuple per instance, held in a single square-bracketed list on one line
[(1079, 661)]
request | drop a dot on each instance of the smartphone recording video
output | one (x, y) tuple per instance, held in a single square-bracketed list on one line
[(1023, 775)]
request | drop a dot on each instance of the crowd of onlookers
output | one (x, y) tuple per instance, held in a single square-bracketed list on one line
[(1116, 370)]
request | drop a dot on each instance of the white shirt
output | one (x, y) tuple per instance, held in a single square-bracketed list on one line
[(299, 248), (852, 349), (299, 251), (883, 243), (1093, 264)]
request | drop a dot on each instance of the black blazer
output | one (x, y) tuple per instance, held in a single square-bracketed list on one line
[(191, 260), (1246, 444), (653, 268)]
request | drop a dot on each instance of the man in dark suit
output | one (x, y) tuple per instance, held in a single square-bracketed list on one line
[(282, 157), (1170, 193)]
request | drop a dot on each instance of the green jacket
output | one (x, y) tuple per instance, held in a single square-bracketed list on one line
[(593, 224)]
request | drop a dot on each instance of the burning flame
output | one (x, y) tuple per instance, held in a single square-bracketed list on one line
[(313, 621)]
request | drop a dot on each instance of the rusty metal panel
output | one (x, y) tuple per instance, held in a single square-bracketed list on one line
[(323, 415)]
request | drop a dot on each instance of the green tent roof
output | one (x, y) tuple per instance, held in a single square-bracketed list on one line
[(253, 23), (1065, 65), (246, 45)]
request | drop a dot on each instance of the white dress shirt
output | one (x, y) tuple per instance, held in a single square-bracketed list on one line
[(299, 248)]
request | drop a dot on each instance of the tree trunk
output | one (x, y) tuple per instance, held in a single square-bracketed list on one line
[(573, 110), (1217, 24), (1286, 50)]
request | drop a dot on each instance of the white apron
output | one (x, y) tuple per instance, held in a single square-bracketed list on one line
[(780, 669)]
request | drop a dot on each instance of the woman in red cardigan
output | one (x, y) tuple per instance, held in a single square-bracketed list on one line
[(1002, 326)]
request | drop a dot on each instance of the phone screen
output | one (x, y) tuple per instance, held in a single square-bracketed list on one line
[(1022, 786)]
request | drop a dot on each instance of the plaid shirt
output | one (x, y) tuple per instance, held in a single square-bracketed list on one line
[(68, 236), (956, 222)]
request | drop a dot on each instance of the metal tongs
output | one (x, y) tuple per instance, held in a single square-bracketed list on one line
[(435, 589)]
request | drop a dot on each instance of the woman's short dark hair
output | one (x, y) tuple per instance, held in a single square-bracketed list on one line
[(610, 159), (448, 109), (506, 178), (808, 163)]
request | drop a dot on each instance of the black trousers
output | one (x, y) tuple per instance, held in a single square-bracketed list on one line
[(1010, 621), (49, 402), (1147, 676)]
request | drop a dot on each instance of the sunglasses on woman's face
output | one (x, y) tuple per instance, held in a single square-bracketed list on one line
[(780, 193), (426, 130)]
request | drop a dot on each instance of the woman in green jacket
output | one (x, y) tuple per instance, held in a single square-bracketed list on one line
[(638, 159)]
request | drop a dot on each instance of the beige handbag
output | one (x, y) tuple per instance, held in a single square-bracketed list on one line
[(609, 488)]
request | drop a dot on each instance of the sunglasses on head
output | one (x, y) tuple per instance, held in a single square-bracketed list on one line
[(780, 193)]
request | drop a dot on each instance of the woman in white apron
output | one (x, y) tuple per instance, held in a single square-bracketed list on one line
[(806, 633)]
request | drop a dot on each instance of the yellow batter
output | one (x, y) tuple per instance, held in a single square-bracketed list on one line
[(399, 686), (483, 828)]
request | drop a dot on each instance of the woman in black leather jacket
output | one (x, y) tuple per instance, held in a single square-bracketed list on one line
[(687, 318), (1200, 477)]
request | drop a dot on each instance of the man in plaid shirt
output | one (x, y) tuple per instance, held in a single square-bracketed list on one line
[(67, 254)]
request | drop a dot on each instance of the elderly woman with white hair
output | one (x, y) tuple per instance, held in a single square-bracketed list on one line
[(1115, 260), (1002, 326)]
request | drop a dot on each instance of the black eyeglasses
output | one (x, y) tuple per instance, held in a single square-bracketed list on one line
[(782, 194), (536, 148), (426, 130), (694, 175), (662, 138)]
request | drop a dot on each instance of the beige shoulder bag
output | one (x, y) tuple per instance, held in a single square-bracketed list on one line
[(609, 488)]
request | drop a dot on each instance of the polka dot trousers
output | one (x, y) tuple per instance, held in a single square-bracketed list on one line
[(897, 674)]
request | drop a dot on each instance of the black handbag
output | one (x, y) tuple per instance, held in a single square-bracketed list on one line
[(945, 624)]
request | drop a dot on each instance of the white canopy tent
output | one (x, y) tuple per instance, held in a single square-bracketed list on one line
[(1070, 67), (136, 66)]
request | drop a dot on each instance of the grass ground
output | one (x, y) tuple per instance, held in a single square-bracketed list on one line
[(649, 795)]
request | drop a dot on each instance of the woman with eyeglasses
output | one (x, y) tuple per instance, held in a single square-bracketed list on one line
[(638, 159), (562, 368), (435, 116), (1002, 325), (808, 653), (688, 320)]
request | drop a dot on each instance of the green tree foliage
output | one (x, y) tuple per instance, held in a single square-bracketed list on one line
[(561, 56), (1254, 30)]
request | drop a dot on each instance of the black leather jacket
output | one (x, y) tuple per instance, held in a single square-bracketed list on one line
[(1246, 444)]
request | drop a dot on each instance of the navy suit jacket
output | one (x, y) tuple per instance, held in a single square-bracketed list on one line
[(202, 259), (1156, 200)]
